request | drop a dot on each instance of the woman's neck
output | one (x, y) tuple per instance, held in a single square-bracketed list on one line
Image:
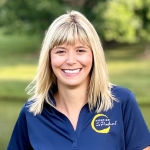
[(71, 98), (70, 102)]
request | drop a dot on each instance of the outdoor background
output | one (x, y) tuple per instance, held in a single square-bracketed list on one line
[(123, 27)]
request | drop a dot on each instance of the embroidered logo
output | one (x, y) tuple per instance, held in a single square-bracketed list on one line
[(101, 123)]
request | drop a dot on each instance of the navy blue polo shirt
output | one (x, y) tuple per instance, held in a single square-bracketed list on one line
[(120, 128)]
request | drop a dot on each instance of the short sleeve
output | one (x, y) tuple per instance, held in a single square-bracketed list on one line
[(19, 139), (137, 135)]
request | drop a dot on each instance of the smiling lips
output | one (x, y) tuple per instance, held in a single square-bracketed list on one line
[(75, 71)]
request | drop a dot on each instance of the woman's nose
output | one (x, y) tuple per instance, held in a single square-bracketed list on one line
[(71, 58)]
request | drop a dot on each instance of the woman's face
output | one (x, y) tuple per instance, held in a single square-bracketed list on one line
[(72, 64)]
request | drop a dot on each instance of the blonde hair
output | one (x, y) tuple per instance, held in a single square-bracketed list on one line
[(68, 28)]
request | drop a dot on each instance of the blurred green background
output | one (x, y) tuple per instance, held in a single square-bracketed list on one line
[(123, 27)]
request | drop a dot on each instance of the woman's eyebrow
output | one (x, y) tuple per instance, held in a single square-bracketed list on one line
[(59, 47), (81, 47)]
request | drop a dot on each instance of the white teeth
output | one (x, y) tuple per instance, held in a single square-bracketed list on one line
[(72, 71)]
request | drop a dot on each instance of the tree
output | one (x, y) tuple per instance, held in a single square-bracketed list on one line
[(143, 12), (116, 20), (29, 16), (125, 20)]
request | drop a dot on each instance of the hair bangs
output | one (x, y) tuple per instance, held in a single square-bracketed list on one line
[(70, 33)]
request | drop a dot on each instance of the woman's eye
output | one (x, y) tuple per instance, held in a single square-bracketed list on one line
[(60, 51), (81, 50)]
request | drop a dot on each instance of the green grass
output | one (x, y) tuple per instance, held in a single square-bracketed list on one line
[(134, 75), (13, 90), (9, 111), (146, 111), (18, 62), (129, 66)]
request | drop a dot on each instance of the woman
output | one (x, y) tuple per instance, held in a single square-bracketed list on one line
[(74, 106)]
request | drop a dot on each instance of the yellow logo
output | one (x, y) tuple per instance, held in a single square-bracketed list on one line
[(101, 123)]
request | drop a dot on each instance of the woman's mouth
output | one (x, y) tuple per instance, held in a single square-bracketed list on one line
[(71, 71)]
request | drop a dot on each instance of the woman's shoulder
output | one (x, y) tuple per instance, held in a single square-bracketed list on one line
[(25, 107), (120, 89), (122, 94)]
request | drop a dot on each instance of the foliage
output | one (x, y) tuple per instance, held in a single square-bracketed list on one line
[(125, 21), (115, 20), (29, 16)]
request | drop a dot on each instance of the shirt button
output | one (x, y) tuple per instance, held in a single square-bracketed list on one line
[(74, 146)]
